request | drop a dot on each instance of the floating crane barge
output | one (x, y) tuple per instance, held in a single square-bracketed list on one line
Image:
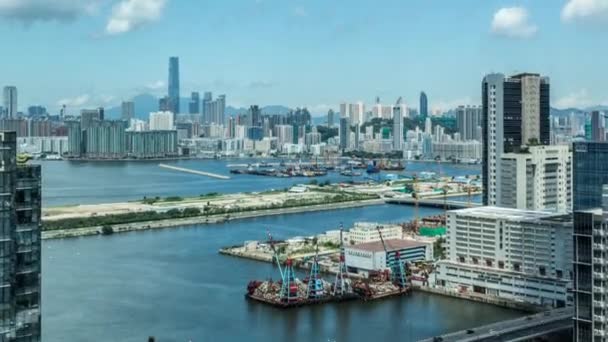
[(291, 292)]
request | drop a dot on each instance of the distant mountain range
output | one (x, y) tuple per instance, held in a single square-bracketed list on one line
[(576, 111), (146, 103)]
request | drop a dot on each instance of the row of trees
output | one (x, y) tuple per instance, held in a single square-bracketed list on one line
[(109, 220)]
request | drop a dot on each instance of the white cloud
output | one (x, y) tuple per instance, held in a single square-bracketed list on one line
[(129, 15), (443, 106), (156, 85), (513, 22), (577, 99), (29, 11), (86, 100), (300, 11), (77, 101), (579, 10)]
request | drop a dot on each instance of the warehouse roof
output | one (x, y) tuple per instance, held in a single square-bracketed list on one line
[(391, 245)]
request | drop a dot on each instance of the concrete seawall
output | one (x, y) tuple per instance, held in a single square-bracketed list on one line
[(159, 224)]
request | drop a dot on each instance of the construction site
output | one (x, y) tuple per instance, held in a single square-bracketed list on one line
[(290, 291)]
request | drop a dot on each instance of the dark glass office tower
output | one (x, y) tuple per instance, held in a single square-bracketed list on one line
[(424, 106), (590, 174), (174, 85), (19, 245)]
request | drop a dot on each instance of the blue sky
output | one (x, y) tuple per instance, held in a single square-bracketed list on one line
[(316, 53)]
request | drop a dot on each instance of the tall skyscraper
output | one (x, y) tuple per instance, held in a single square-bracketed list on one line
[(590, 260), (254, 116), (10, 101), (174, 85), (515, 114), (20, 314), (330, 118), (468, 119), (344, 133), (598, 126), (397, 128), (220, 114), (207, 107), (128, 110), (424, 106), (195, 103)]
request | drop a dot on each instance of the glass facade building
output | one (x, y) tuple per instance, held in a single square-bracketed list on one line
[(20, 222), (174, 85), (590, 173)]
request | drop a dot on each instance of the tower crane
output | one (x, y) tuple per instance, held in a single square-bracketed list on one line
[(275, 254), (340, 284), (314, 289), (396, 266)]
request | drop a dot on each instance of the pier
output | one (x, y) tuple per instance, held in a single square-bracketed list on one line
[(196, 172)]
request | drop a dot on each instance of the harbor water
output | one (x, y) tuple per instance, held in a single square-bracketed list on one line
[(173, 284)]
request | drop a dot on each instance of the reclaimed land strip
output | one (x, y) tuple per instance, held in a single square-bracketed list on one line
[(510, 304), (219, 218)]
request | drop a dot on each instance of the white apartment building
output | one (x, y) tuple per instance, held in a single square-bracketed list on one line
[(458, 150), (161, 121), (284, 134), (363, 232), (537, 179), (513, 254)]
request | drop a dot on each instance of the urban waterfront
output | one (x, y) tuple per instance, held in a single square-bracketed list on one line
[(174, 285), (73, 182)]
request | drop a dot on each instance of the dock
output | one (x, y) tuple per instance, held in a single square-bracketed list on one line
[(195, 172)]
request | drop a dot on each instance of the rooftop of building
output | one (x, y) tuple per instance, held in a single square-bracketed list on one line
[(358, 226), (391, 245), (511, 214)]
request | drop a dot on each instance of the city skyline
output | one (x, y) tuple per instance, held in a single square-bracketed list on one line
[(106, 42)]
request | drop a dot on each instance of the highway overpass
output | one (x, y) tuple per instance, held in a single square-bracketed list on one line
[(519, 329)]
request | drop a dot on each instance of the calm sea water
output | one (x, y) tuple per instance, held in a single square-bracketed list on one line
[(86, 182), (174, 285)]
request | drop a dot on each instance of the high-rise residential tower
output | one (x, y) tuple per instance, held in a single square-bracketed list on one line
[(344, 133), (10, 101), (330, 118), (20, 314), (207, 108), (173, 85), (515, 114), (128, 110), (598, 126), (468, 119), (424, 106), (397, 128)]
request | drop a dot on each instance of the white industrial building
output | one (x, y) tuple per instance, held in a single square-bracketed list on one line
[(363, 232), (539, 178), (371, 256), (508, 253)]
